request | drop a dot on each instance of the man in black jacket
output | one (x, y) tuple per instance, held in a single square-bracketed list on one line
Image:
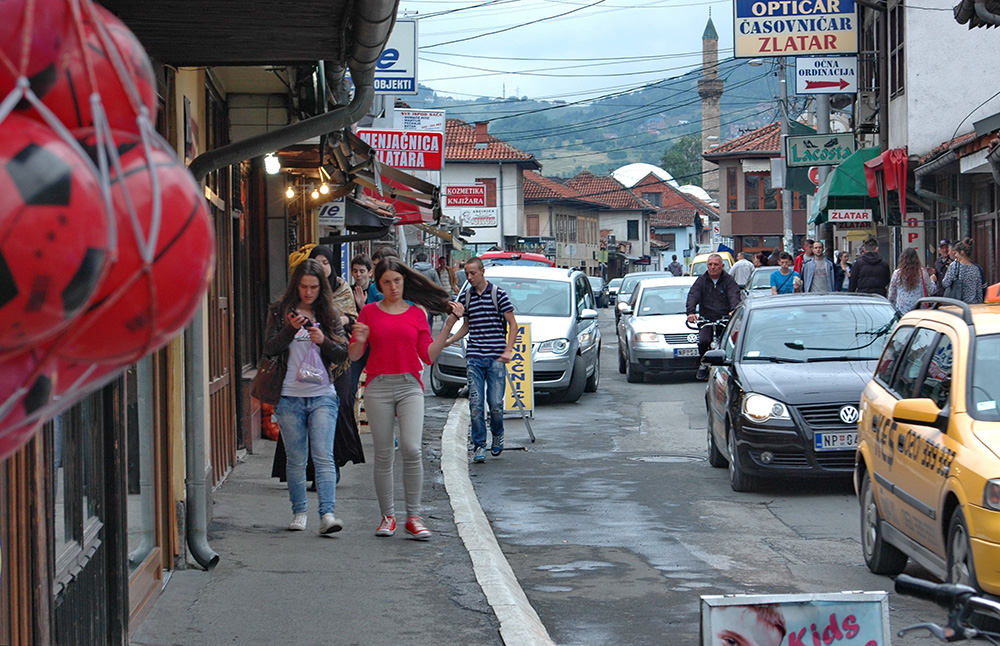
[(870, 274), (713, 295), (941, 265)]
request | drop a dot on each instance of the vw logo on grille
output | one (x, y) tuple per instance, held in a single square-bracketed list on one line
[(692, 338), (849, 414)]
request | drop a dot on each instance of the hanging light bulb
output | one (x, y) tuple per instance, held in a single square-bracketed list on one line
[(323, 188), (290, 193), (272, 165), (315, 194)]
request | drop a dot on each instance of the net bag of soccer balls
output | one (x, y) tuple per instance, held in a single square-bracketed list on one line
[(106, 242)]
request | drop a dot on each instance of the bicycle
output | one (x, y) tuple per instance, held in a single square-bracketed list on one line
[(719, 327), (962, 603)]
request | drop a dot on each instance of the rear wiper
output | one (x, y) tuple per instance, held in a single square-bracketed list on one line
[(775, 359)]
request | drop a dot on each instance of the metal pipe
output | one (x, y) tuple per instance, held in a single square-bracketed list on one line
[(144, 401), (965, 210), (985, 15), (786, 195)]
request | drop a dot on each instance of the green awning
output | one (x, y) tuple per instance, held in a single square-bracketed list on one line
[(845, 188)]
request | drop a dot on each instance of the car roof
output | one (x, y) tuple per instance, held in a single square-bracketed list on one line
[(704, 256), (666, 281), (651, 274), (514, 255), (813, 298), (544, 273), (985, 317)]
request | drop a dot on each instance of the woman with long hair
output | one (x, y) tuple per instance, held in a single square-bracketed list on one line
[(909, 283), (842, 272), (400, 340), (300, 325), (965, 272)]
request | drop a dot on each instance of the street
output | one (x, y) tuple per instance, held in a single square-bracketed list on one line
[(615, 524)]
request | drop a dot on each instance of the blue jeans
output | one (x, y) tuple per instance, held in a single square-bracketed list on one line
[(309, 424), (487, 381)]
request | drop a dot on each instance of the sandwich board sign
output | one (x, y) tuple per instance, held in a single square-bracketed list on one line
[(520, 394)]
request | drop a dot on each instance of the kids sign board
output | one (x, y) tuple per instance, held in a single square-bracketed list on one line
[(520, 392), (841, 618)]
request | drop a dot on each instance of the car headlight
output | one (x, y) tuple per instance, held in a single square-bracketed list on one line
[(991, 495), (760, 408), (555, 346), (646, 337)]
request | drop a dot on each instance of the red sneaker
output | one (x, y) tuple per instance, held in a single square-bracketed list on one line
[(415, 528), (387, 527)]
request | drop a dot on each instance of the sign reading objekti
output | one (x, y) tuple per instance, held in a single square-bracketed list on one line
[(795, 27), (420, 150)]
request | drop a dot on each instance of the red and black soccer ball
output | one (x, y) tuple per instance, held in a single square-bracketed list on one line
[(44, 31)]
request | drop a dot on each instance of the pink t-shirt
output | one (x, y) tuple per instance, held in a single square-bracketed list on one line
[(398, 342)]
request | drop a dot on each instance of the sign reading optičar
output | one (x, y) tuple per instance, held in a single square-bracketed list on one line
[(795, 27)]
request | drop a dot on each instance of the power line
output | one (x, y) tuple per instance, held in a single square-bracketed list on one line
[(511, 28)]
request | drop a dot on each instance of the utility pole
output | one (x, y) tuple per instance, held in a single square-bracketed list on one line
[(786, 194), (825, 231)]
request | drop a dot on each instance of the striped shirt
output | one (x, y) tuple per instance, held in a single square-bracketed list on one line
[(487, 338)]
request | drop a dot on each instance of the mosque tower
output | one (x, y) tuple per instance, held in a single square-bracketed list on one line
[(710, 90)]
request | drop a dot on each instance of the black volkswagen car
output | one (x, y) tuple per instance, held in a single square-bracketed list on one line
[(783, 396)]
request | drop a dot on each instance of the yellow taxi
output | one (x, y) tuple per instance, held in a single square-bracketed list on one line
[(927, 470), (699, 265)]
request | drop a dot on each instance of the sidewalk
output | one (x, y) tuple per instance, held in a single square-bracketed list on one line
[(273, 586)]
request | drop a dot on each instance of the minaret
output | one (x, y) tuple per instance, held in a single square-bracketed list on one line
[(710, 90)]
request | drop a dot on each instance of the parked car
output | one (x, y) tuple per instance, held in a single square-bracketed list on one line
[(928, 459), (700, 263), (491, 258), (782, 398), (600, 288), (760, 281), (565, 337), (613, 289), (653, 336), (629, 281)]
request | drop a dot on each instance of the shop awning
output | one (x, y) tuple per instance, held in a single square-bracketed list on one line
[(845, 187), (455, 241)]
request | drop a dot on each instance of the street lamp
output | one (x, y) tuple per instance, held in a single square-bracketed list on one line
[(272, 165), (786, 194)]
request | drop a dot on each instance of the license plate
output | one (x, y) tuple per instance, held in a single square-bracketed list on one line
[(836, 441), (685, 352)]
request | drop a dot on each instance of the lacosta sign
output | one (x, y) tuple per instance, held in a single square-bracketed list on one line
[(414, 149), (795, 27), (819, 150)]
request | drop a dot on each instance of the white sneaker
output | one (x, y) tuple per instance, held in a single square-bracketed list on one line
[(329, 524), (298, 523)]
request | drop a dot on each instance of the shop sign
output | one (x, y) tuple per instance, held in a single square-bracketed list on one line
[(419, 120), (795, 27), (521, 394), (819, 150), (396, 69), (406, 148), (826, 75), (331, 214), (458, 196), (479, 217), (843, 216)]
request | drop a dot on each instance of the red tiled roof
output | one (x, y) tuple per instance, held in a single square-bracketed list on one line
[(608, 191), (540, 188), (762, 140), (942, 148), (677, 208), (459, 145)]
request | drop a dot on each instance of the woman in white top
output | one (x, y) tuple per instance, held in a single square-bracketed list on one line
[(910, 282)]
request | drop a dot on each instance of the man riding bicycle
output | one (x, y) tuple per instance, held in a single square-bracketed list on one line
[(713, 295)]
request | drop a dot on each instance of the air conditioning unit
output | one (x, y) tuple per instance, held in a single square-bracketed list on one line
[(866, 116)]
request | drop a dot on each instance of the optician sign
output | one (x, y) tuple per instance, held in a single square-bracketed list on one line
[(795, 27), (406, 148), (826, 74), (396, 69), (843, 216), (819, 150)]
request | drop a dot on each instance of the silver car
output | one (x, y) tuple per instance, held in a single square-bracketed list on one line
[(565, 337), (653, 336), (628, 286)]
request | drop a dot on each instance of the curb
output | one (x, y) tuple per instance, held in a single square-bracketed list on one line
[(519, 623)]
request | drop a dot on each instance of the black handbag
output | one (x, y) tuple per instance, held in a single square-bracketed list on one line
[(267, 384)]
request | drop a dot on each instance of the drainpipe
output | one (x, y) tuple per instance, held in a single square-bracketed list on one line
[(503, 244), (993, 157), (985, 15), (965, 211)]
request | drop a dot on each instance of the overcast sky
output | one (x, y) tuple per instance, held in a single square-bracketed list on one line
[(560, 49)]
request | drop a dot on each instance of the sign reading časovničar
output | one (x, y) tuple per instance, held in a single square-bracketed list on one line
[(795, 27), (819, 150)]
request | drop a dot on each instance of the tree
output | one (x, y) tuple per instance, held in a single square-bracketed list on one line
[(683, 160)]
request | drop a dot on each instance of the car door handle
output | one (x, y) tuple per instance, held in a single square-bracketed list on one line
[(900, 442)]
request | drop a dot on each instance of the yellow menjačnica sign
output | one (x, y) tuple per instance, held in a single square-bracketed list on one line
[(520, 384), (795, 27)]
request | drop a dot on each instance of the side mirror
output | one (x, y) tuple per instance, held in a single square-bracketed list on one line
[(920, 412), (588, 314), (715, 358), (622, 306)]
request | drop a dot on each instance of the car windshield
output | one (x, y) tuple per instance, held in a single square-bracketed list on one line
[(629, 282), (520, 262), (986, 367), (761, 278), (615, 282), (700, 267), (534, 296), (658, 301), (820, 332), (595, 283)]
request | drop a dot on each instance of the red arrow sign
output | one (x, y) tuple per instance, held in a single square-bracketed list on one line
[(815, 85)]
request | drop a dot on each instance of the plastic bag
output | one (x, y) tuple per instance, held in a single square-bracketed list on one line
[(312, 370)]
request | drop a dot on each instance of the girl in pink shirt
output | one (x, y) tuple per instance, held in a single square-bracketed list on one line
[(400, 343)]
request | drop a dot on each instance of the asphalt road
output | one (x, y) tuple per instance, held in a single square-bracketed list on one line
[(615, 524)]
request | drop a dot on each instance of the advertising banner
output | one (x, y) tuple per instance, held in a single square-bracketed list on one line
[(842, 618), (520, 385), (420, 150), (795, 27)]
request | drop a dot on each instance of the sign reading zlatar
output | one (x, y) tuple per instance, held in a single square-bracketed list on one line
[(795, 27), (421, 150)]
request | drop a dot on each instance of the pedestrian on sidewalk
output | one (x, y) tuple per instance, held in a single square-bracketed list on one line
[(871, 274), (301, 324), (492, 329), (400, 339), (909, 283)]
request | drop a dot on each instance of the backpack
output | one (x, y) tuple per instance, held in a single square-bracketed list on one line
[(493, 295)]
